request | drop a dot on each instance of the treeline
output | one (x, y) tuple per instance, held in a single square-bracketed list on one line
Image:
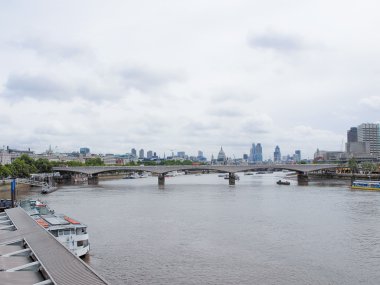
[(24, 165)]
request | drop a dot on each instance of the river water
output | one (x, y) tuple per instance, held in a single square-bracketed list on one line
[(200, 230)]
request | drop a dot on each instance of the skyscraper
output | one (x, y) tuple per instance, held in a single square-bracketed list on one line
[(259, 153), (141, 153), (134, 152), (352, 135), (277, 154), (252, 153), (297, 155), (149, 154), (370, 134)]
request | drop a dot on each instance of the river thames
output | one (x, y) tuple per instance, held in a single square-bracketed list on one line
[(200, 230)]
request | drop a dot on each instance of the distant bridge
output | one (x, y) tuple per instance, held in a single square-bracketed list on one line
[(161, 170)]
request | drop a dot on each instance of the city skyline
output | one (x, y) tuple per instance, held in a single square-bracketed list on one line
[(195, 76)]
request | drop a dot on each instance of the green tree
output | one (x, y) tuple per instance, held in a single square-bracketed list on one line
[(28, 160), (353, 165), (369, 167), (19, 168), (43, 165), (4, 171), (94, 162)]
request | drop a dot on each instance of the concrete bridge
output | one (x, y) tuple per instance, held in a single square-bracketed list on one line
[(93, 171)]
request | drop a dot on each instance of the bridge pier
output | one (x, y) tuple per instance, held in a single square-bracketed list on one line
[(231, 178), (161, 179), (93, 179), (302, 178)]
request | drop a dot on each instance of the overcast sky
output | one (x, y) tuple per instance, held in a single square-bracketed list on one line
[(187, 75)]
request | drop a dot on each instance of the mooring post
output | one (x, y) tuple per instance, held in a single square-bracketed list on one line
[(13, 192), (231, 178), (161, 179)]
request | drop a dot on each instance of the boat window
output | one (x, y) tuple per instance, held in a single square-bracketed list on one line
[(80, 243), (54, 233), (60, 232), (81, 231), (67, 232)]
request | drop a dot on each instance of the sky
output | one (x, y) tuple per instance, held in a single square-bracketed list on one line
[(175, 75)]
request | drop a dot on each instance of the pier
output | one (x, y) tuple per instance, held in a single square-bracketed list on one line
[(31, 255)]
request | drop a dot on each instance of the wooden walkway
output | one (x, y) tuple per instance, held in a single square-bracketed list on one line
[(57, 263)]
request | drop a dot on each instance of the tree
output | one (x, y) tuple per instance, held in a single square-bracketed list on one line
[(353, 165), (94, 162), (19, 168), (4, 171), (43, 165), (369, 167)]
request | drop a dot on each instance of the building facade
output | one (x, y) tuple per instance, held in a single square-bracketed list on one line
[(369, 133), (277, 154)]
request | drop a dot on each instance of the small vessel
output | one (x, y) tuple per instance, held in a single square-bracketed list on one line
[(280, 182), (66, 230), (366, 185), (46, 189), (248, 173), (221, 174)]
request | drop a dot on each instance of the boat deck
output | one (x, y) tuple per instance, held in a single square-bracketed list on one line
[(56, 262)]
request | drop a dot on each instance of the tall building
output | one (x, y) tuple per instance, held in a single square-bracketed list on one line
[(252, 153), (134, 152), (352, 135), (259, 153), (181, 154), (141, 153), (297, 155), (149, 154), (84, 150), (277, 154), (370, 134), (255, 153)]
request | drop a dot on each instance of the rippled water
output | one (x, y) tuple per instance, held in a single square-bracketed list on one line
[(199, 230)]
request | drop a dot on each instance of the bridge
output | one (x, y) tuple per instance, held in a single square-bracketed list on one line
[(161, 170)]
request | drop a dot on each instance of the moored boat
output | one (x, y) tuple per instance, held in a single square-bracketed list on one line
[(46, 189), (280, 182), (66, 230), (366, 185)]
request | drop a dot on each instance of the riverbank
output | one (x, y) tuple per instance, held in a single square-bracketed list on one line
[(344, 176)]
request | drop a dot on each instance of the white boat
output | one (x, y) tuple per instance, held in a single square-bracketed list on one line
[(248, 173), (46, 189), (66, 230)]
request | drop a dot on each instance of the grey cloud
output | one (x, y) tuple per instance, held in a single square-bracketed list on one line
[(19, 86), (45, 48), (226, 112), (144, 79), (275, 41)]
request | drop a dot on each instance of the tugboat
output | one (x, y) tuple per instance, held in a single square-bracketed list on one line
[(280, 182)]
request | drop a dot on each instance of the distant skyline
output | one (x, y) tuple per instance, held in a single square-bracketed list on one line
[(187, 75)]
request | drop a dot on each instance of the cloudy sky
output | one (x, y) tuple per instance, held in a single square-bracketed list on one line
[(187, 75)]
